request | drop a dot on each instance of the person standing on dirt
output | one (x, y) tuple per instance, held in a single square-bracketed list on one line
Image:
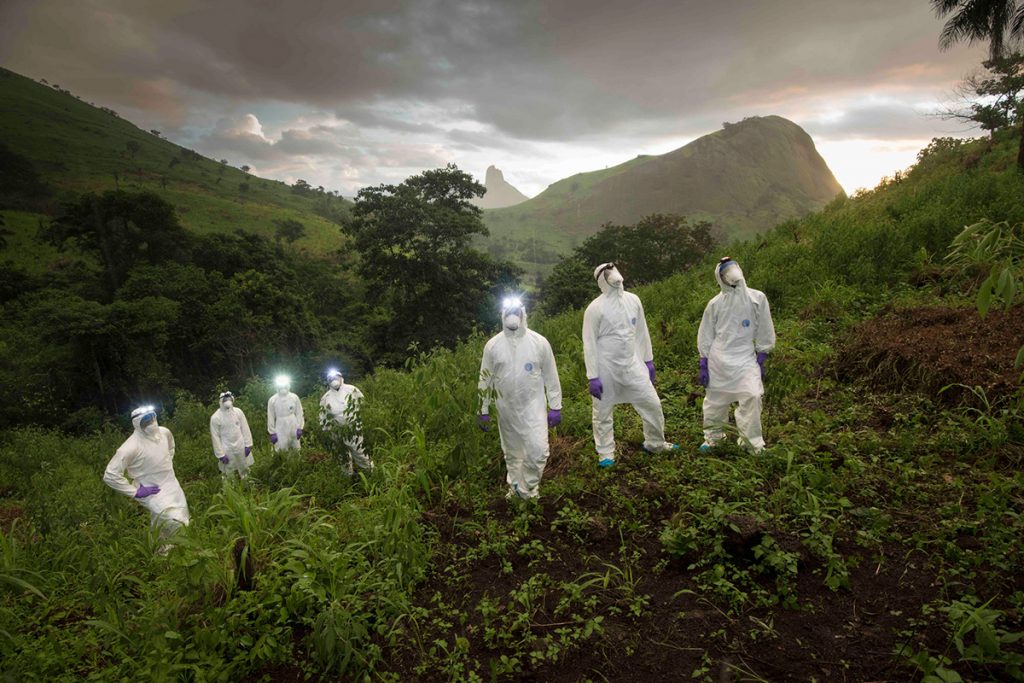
[(736, 333), (148, 458), (620, 365), (519, 366), (339, 418)]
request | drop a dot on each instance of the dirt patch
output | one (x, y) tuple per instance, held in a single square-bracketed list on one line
[(926, 349), (8, 515)]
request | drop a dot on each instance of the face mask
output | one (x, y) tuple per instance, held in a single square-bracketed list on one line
[(152, 429), (226, 405), (613, 277), (512, 322), (283, 391), (732, 275), (335, 384)]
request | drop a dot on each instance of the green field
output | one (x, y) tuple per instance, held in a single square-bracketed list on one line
[(878, 538), (77, 147)]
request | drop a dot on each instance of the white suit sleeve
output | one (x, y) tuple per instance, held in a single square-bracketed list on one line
[(170, 441), (706, 332), (591, 321), (271, 416), (552, 385), (643, 335), (486, 380), (765, 340), (114, 474), (246, 432), (218, 447), (298, 413)]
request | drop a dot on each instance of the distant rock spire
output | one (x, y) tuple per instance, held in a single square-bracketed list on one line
[(499, 192)]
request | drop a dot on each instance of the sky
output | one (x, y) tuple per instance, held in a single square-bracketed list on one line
[(352, 93)]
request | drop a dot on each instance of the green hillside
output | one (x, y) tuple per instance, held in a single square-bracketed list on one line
[(77, 147), (745, 178), (877, 539)]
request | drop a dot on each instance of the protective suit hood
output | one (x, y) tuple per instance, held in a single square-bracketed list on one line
[(137, 416), (518, 333), (725, 286), (602, 281)]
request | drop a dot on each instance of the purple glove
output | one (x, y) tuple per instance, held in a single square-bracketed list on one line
[(596, 388), (554, 418), (705, 376), (248, 450), (226, 460), (650, 370), (761, 358), (273, 438), (298, 434), (484, 421), (144, 491)]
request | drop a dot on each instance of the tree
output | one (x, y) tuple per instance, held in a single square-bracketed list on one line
[(995, 99), (122, 229), (245, 168), (414, 241), (154, 131), (133, 147), (301, 187), (289, 230), (1000, 22), (653, 249)]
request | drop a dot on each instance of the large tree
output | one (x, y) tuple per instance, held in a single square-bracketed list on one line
[(995, 99), (1000, 22), (415, 243), (656, 247)]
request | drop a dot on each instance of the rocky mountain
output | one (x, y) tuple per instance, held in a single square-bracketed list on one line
[(745, 178), (500, 193)]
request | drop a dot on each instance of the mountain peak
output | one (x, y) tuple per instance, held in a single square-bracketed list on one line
[(499, 192)]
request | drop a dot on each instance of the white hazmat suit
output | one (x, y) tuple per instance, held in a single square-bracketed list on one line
[(616, 348), (148, 456), (339, 417), (519, 366), (736, 326), (229, 431), (284, 418)]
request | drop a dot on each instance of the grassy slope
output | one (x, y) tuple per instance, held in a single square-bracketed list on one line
[(425, 573), (78, 148), (744, 178)]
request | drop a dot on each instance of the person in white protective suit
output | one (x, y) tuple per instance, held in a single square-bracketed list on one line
[(232, 440), (620, 364), (736, 333), (284, 416), (339, 417), (518, 369), (147, 456)]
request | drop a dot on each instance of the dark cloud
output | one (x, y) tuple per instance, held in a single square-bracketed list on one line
[(556, 70)]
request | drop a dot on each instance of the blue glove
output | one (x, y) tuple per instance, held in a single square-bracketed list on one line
[(226, 460), (298, 434), (650, 370), (554, 418), (484, 421), (248, 450), (273, 438), (705, 376), (144, 491), (596, 388), (761, 358)]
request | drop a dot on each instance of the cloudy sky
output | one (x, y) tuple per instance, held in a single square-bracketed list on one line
[(351, 93)]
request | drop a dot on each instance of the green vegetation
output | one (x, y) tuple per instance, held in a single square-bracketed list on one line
[(656, 247), (879, 537), (64, 147)]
